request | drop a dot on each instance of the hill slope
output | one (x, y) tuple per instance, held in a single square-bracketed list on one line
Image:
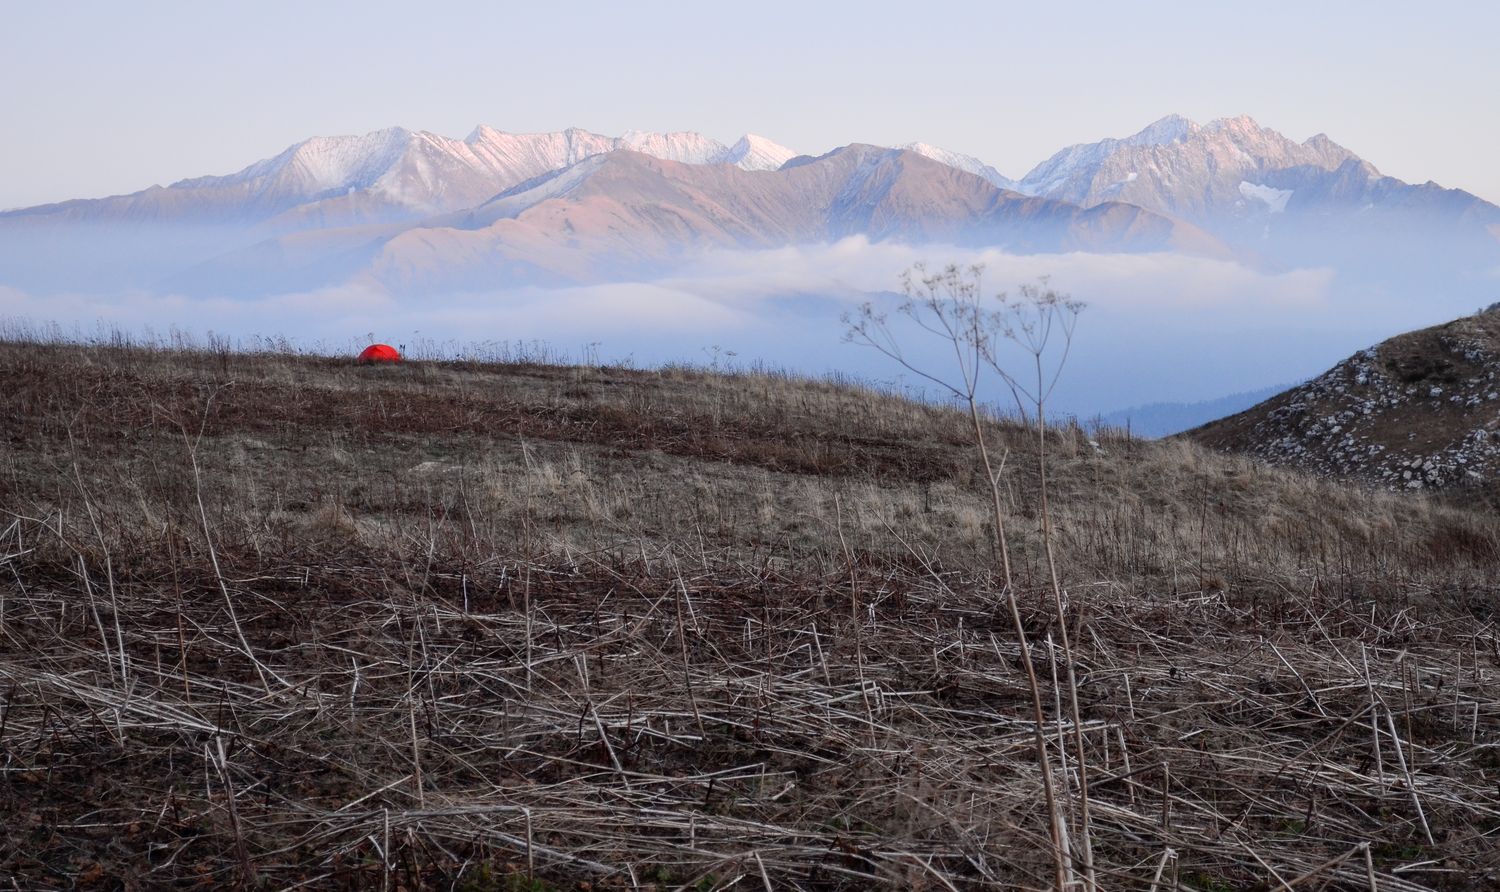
[(508, 625), (1419, 411)]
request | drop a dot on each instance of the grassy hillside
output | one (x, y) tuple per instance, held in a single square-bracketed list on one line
[(273, 620)]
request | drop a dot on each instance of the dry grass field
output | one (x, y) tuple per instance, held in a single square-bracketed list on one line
[(273, 621)]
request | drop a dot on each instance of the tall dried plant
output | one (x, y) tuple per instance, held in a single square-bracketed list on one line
[(950, 306)]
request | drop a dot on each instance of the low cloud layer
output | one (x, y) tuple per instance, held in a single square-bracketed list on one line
[(1158, 326), (1145, 282)]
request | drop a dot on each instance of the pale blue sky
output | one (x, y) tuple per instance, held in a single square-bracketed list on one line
[(102, 98)]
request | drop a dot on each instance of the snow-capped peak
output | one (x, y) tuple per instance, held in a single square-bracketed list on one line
[(1170, 129), (350, 162), (1179, 167), (1070, 163), (483, 133), (753, 152), (322, 162), (1241, 123), (967, 163), (398, 173), (1330, 153), (686, 147)]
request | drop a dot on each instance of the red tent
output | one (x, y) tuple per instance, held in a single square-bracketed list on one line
[(380, 353)]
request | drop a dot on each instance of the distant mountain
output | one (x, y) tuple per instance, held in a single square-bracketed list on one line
[(390, 175), (1420, 411), (967, 163), (1217, 175), (1284, 203), (1179, 167), (754, 153), (1164, 419), (396, 204), (623, 213)]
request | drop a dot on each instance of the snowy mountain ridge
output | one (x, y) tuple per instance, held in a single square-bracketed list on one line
[(1180, 167), (625, 213), (756, 153), (1075, 160), (1226, 188), (325, 162), (1173, 166), (967, 163), (392, 175), (392, 161)]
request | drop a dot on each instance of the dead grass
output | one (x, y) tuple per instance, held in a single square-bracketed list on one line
[(537, 627)]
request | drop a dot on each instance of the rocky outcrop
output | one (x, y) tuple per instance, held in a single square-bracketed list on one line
[(1418, 412)]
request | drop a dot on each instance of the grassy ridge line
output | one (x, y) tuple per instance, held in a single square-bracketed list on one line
[(533, 403), (589, 657)]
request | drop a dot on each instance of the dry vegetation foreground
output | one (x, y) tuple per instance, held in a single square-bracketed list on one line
[(277, 622)]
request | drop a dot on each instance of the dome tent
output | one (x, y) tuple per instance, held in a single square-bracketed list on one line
[(380, 353)]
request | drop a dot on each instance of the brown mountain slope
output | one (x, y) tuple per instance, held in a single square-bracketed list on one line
[(1420, 411)]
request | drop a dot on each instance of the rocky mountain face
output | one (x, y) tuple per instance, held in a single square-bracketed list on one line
[(1182, 168), (1279, 202), (1420, 411)]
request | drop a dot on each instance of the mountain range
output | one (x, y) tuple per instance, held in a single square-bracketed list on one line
[(624, 212), (391, 175), (1280, 203), (412, 210)]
